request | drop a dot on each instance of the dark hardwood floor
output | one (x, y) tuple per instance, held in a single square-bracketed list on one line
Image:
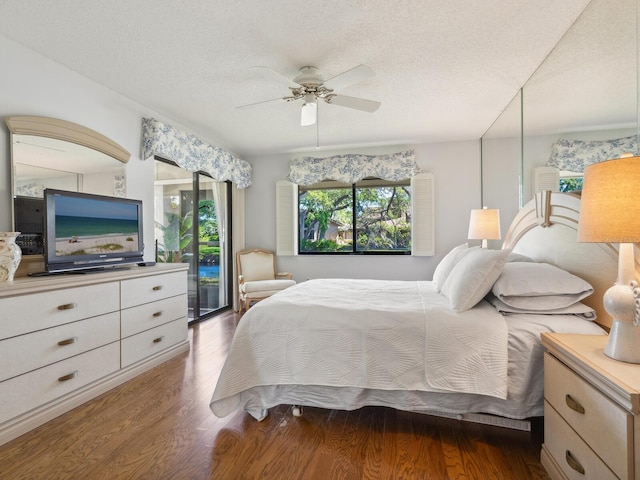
[(159, 426)]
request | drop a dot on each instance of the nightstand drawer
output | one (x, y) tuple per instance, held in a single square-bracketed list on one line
[(601, 423), (570, 452)]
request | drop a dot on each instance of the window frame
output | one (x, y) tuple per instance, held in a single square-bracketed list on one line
[(365, 183)]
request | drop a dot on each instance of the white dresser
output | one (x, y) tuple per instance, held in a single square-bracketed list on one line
[(592, 402), (65, 339)]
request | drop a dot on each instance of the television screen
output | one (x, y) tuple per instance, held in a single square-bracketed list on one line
[(85, 231)]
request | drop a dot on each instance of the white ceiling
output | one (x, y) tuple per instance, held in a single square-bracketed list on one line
[(445, 69)]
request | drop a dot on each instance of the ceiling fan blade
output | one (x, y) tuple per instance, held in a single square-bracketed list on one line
[(278, 77), (353, 102), (345, 79), (309, 114), (249, 105)]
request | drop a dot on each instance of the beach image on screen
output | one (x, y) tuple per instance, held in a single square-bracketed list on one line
[(90, 226)]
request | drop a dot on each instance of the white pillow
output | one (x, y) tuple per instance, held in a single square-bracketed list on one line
[(472, 278), (539, 286), (578, 309), (450, 260)]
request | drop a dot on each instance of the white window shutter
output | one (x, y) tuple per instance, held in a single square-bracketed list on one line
[(286, 218), (422, 215), (546, 178)]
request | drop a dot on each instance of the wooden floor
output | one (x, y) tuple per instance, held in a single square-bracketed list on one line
[(159, 426)]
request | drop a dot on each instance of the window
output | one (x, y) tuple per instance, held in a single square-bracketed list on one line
[(570, 183), (371, 216)]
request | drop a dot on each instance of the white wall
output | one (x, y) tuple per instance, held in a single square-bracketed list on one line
[(457, 190), (33, 85), (30, 84)]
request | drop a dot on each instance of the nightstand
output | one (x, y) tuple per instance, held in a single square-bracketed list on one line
[(592, 402)]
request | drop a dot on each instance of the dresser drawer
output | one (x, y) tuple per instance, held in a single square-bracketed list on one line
[(24, 353), (25, 392), (150, 342), (602, 424), (28, 313), (149, 289), (569, 451), (150, 315)]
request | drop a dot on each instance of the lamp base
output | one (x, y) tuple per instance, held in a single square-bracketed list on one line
[(624, 342)]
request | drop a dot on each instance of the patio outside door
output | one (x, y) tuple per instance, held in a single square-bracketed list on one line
[(192, 226)]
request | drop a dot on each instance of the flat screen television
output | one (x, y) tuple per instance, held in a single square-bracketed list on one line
[(85, 232)]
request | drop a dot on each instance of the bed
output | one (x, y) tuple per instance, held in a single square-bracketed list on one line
[(448, 347)]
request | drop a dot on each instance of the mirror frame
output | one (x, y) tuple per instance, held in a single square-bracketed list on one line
[(67, 131)]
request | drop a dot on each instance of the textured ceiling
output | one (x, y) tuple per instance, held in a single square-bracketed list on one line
[(445, 69)]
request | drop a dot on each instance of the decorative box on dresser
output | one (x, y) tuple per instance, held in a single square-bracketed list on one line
[(65, 339), (591, 411)]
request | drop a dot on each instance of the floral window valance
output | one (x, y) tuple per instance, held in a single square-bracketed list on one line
[(575, 155), (351, 168), (192, 154)]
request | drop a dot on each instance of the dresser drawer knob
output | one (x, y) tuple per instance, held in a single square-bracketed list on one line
[(67, 306), (158, 340), (68, 376), (573, 404), (68, 341), (157, 287), (157, 314), (573, 463)]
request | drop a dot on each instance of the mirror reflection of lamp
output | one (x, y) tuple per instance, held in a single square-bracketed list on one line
[(609, 213), (174, 201), (484, 224)]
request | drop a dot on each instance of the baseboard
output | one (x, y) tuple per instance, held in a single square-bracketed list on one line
[(34, 418)]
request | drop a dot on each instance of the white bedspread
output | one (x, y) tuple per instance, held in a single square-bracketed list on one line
[(370, 334)]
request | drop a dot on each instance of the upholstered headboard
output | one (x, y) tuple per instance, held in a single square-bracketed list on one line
[(545, 229)]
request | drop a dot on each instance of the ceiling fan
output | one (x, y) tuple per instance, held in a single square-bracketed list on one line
[(310, 86)]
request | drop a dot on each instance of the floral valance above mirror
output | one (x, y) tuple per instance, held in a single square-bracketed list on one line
[(575, 155), (351, 168), (192, 154)]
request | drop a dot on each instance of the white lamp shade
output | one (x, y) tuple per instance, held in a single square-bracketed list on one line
[(309, 111), (610, 211), (484, 224)]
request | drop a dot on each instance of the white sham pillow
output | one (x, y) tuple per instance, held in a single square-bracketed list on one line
[(472, 277), (539, 286), (450, 260), (578, 309)]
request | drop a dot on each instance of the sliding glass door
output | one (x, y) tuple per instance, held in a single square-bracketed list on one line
[(192, 226), (212, 246)]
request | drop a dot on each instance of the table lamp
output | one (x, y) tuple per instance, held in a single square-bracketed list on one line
[(609, 213), (484, 225)]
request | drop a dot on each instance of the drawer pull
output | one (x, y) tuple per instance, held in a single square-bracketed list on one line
[(573, 463), (67, 306), (157, 314), (68, 341), (158, 340), (573, 405), (157, 287), (68, 376)]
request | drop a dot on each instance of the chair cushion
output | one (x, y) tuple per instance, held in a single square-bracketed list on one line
[(263, 286)]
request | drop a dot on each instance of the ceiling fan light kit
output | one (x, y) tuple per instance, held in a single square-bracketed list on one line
[(310, 86)]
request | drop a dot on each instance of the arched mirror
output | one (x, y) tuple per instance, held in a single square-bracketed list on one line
[(53, 153)]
